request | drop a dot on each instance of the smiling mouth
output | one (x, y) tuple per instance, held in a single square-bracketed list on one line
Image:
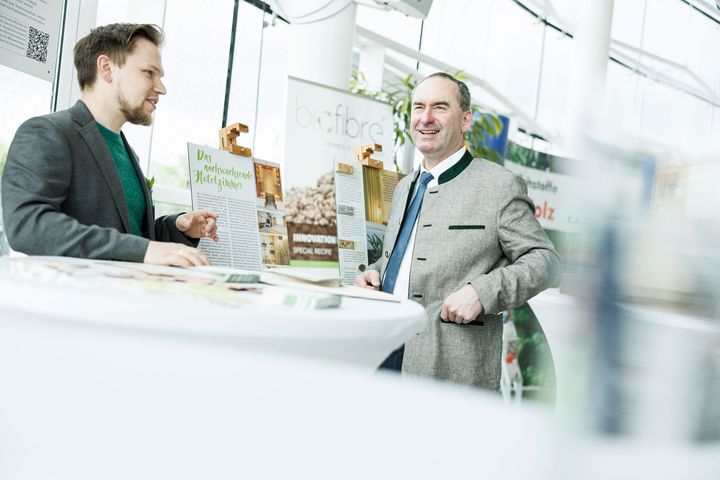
[(153, 102), (428, 132)]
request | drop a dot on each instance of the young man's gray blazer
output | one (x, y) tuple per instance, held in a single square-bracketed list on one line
[(61, 193), (476, 227)]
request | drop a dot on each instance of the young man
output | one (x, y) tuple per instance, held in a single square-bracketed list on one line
[(462, 240), (72, 185)]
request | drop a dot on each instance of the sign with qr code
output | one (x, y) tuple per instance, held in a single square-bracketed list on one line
[(29, 34)]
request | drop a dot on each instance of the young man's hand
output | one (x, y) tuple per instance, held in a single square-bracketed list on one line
[(174, 254), (198, 224)]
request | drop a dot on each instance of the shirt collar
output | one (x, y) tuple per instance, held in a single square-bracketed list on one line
[(446, 164)]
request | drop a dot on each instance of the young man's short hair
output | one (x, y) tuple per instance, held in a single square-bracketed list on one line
[(116, 41)]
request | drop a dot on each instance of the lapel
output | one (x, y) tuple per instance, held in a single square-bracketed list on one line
[(445, 177), (149, 220), (95, 142)]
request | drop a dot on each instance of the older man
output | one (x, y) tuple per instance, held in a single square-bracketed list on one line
[(72, 185), (462, 240)]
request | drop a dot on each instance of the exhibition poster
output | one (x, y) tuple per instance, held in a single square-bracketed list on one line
[(274, 249), (323, 126), (364, 196), (352, 249), (29, 31), (225, 183), (379, 186), (551, 192)]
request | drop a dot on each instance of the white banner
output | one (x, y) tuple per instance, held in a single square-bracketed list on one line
[(554, 195), (323, 127), (29, 31)]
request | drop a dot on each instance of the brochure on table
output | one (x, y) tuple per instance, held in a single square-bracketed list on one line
[(225, 183)]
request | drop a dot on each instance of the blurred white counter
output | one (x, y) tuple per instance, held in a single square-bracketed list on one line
[(126, 384), (560, 317)]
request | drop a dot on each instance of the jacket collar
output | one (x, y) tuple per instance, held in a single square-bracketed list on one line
[(81, 114), (448, 174), (456, 169)]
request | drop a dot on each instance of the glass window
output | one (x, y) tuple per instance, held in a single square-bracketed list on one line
[(391, 24), (258, 84), (195, 58), (513, 54), (554, 82), (244, 87), (269, 137), (715, 130), (622, 99), (702, 61), (697, 125), (23, 96), (663, 118), (627, 22), (460, 40), (666, 29)]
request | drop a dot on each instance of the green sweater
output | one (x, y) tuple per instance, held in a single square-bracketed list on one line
[(134, 197)]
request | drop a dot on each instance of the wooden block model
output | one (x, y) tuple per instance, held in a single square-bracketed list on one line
[(363, 155), (228, 139)]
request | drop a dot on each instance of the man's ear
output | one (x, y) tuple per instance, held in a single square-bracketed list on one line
[(466, 121), (104, 68)]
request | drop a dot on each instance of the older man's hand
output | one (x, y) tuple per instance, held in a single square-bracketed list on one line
[(462, 306), (368, 279)]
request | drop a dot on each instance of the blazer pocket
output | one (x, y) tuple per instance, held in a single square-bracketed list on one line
[(466, 227)]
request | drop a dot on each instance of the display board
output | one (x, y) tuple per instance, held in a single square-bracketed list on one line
[(274, 248), (364, 198), (554, 194), (225, 183), (29, 33), (323, 126)]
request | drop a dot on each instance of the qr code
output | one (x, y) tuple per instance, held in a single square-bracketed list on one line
[(38, 45)]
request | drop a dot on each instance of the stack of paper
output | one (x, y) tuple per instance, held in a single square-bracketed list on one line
[(294, 278), (230, 275), (302, 299)]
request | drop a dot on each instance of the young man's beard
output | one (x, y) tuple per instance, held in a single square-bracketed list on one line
[(135, 115)]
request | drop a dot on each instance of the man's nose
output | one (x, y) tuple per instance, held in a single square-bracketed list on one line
[(160, 87), (427, 117)]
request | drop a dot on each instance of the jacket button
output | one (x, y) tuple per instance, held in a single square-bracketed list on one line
[(386, 254)]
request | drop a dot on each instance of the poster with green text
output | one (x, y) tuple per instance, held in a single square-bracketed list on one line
[(225, 183)]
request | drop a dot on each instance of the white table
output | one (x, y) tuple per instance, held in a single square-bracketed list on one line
[(361, 332), (84, 397), (126, 406)]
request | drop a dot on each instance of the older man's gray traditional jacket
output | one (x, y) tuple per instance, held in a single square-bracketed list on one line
[(476, 227)]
